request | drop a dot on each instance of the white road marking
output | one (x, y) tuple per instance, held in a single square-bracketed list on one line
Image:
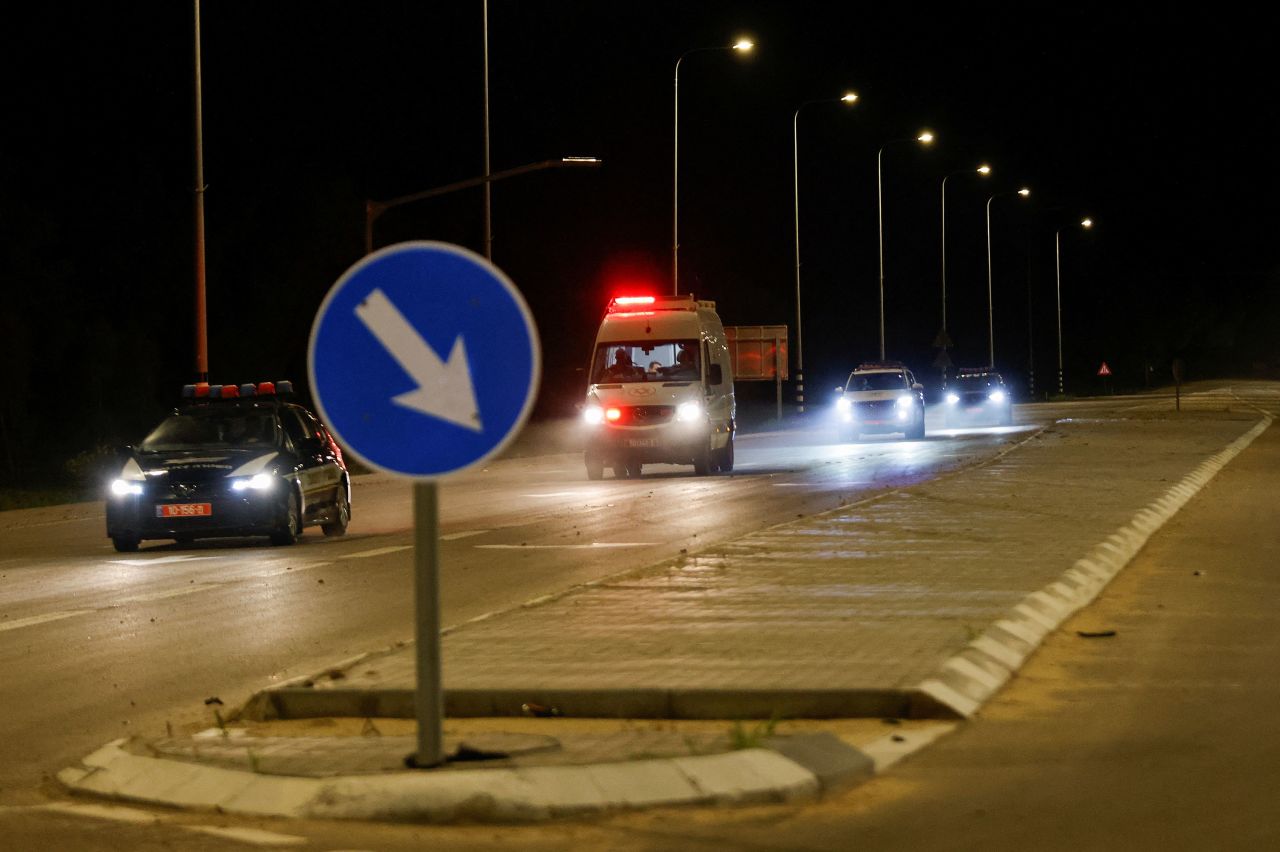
[(253, 836), (114, 813), (594, 544), (171, 593), (293, 569), (555, 494), (377, 551), (41, 619), (463, 534), (160, 560)]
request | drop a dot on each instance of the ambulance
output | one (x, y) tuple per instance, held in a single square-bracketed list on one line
[(660, 388)]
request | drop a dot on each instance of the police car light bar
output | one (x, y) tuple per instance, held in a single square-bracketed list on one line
[(204, 390), (972, 371), (874, 365)]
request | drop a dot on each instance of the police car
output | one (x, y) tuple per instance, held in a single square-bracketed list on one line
[(977, 397), (230, 461), (880, 397)]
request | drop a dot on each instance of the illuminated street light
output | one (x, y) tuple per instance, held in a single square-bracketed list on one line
[(848, 98), (1085, 223), (924, 138), (991, 325), (742, 45), (982, 170)]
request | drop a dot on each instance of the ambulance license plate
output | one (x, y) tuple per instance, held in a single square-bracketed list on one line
[(642, 442)]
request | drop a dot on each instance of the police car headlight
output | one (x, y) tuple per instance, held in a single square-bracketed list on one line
[(996, 396), (688, 411), (257, 482), (843, 404), (593, 415), (953, 398), (125, 487), (905, 401)]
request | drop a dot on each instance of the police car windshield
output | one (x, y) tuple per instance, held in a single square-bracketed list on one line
[(876, 381), (211, 430), (646, 361), (982, 381)]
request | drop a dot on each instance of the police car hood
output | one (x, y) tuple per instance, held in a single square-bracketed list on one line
[(875, 395), (225, 461)]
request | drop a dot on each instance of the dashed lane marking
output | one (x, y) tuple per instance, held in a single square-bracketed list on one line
[(594, 544), (160, 560), (463, 534), (377, 551), (115, 813), (170, 593), (42, 619), (253, 836)]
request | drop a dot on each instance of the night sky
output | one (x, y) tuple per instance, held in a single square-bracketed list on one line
[(1160, 127)]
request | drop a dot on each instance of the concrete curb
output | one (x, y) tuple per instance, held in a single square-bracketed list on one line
[(810, 765), (967, 680)]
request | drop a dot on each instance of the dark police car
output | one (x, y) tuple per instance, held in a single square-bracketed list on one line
[(978, 397), (231, 461)]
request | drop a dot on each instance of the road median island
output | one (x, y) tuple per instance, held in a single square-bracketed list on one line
[(911, 607)]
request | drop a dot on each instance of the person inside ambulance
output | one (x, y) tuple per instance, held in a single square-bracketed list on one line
[(623, 369), (686, 363)]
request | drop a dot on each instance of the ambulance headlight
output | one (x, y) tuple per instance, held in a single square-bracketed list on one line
[(996, 396), (843, 404), (257, 482), (593, 415), (125, 487), (905, 401), (687, 412)]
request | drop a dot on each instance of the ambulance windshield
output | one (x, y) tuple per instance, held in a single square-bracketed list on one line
[(646, 361)]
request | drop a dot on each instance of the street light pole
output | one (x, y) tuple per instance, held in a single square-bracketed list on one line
[(848, 98), (1057, 267), (991, 324), (742, 46), (202, 326), (983, 170), (924, 138), (374, 209), (488, 199)]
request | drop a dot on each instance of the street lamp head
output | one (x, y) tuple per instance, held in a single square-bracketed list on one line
[(1024, 192), (743, 45), (1086, 223), (925, 137), (984, 170), (850, 97)]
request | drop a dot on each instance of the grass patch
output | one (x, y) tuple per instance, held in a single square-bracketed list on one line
[(741, 737)]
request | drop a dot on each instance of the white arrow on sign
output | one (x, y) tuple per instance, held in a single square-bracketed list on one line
[(444, 387)]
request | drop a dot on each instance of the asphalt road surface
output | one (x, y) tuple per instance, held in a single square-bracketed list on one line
[(97, 644)]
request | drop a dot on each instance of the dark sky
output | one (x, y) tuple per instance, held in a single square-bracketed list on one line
[(1159, 126)]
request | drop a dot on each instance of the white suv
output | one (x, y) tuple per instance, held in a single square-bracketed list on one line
[(880, 397)]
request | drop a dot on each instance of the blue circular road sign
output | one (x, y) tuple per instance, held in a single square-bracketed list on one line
[(424, 359)]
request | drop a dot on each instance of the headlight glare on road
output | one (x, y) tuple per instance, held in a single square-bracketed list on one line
[(996, 396), (953, 398), (687, 412), (257, 482), (593, 415), (125, 487)]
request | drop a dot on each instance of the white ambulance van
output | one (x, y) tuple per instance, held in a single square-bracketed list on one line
[(660, 388)]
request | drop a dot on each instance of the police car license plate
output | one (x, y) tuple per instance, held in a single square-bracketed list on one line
[(184, 510), (642, 442)]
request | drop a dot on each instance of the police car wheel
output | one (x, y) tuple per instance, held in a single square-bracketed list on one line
[(287, 533), (595, 466), (341, 514), (124, 544), (634, 469), (619, 470)]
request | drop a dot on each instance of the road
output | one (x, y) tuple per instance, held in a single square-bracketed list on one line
[(97, 644)]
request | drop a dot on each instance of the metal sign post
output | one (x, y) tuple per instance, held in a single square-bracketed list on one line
[(424, 360)]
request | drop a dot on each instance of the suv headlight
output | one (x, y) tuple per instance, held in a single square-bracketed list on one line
[(686, 412), (257, 482)]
